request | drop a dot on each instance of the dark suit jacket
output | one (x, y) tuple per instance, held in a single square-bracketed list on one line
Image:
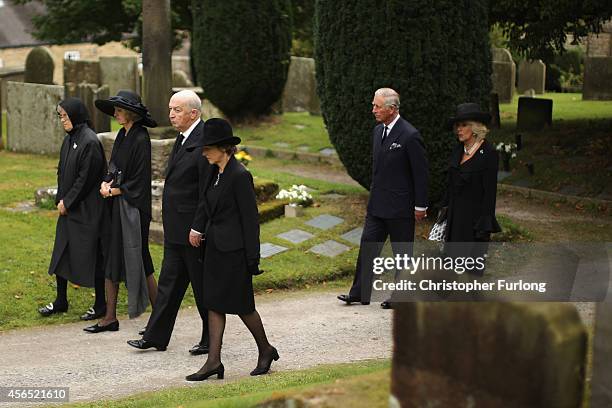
[(233, 220), (185, 176), (399, 172)]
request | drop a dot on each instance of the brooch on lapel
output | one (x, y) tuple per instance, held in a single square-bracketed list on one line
[(481, 151), (74, 146), (395, 146)]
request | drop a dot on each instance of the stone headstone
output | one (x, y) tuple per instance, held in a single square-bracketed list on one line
[(299, 85), (295, 236), (120, 73), (488, 355), (182, 63), (601, 384), (599, 45), (100, 120), (82, 71), (329, 248), (353, 236), (328, 151), (531, 75), (534, 113), (267, 249), (32, 122), (325, 221), (503, 74), (39, 66), (180, 79), (597, 78)]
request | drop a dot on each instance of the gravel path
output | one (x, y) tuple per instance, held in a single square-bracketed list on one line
[(308, 329)]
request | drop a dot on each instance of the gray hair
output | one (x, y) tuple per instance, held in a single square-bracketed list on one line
[(192, 100), (390, 96), (480, 130)]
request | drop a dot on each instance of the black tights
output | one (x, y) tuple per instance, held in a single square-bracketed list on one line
[(216, 327)]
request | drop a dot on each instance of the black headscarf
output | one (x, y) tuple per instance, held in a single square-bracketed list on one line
[(76, 111)]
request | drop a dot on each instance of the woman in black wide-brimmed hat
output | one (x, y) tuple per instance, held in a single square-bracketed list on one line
[(127, 187), (472, 185), (231, 254)]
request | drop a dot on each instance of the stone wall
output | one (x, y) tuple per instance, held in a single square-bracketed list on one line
[(488, 354), (32, 122)]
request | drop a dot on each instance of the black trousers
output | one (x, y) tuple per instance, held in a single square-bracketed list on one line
[(181, 266), (375, 232)]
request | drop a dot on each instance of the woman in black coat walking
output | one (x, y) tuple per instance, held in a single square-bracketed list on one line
[(231, 255), (472, 185), (127, 187), (77, 252)]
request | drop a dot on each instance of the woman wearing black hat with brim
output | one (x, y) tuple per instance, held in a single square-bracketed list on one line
[(472, 184), (127, 188), (231, 254)]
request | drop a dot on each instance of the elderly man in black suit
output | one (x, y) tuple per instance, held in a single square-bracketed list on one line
[(398, 193), (182, 256)]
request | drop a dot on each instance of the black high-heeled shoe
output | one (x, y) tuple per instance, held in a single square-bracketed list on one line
[(96, 328), (220, 371), (259, 370)]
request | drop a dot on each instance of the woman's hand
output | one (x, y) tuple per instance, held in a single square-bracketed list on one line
[(195, 238), (61, 208)]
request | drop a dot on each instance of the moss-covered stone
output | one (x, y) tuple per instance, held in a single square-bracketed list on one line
[(39, 66)]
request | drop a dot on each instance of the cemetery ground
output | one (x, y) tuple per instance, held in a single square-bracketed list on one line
[(291, 277)]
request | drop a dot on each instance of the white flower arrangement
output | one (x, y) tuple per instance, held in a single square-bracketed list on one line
[(507, 148), (297, 195)]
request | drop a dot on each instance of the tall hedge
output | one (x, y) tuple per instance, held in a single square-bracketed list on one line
[(434, 53), (242, 53)]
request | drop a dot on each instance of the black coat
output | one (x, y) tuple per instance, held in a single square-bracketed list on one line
[(185, 176), (399, 172), (231, 240), (471, 193), (80, 170)]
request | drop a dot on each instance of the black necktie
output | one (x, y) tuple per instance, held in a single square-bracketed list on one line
[(384, 135), (179, 140)]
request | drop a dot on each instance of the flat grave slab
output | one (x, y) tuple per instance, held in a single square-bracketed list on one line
[(267, 249), (325, 221), (329, 248), (295, 236)]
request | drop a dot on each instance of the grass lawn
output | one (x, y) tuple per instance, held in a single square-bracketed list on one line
[(355, 378), (25, 284)]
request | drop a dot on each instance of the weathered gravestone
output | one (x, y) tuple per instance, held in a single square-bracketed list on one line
[(601, 384), (39, 66), (299, 86), (597, 78), (80, 71), (182, 63), (330, 249), (160, 152), (180, 79), (88, 93), (119, 73), (534, 113), (531, 75), (503, 74), (488, 355), (32, 122)]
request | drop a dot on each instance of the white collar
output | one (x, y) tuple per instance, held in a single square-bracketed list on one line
[(390, 125), (188, 131)]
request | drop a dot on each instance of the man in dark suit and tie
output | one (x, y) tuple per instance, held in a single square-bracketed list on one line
[(398, 193), (182, 257)]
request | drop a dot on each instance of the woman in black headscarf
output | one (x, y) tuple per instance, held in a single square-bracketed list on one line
[(128, 189), (77, 252)]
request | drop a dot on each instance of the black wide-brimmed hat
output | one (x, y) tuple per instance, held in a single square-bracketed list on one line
[(127, 100), (469, 111), (219, 132)]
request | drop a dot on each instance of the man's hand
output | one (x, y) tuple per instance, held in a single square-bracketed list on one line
[(195, 239), (420, 215), (62, 209)]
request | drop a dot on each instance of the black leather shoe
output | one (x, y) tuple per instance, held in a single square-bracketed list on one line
[(50, 309), (91, 314), (386, 305), (265, 367), (96, 328), (351, 299), (199, 349), (145, 344), (220, 371)]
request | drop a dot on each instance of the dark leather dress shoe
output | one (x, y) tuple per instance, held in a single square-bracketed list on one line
[(91, 314), (351, 299), (96, 328), (145, 344), (50, 309), (199, 349), (201, 376), (265, 367), (386, 305)]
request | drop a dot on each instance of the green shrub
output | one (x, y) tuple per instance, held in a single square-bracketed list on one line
[(435, 54), (241, 53)]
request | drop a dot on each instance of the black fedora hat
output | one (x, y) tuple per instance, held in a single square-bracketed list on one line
[(469, 111), (219, 132), (128, 100)]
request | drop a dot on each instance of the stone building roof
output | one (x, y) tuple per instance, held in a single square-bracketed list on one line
[(16, 25)]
